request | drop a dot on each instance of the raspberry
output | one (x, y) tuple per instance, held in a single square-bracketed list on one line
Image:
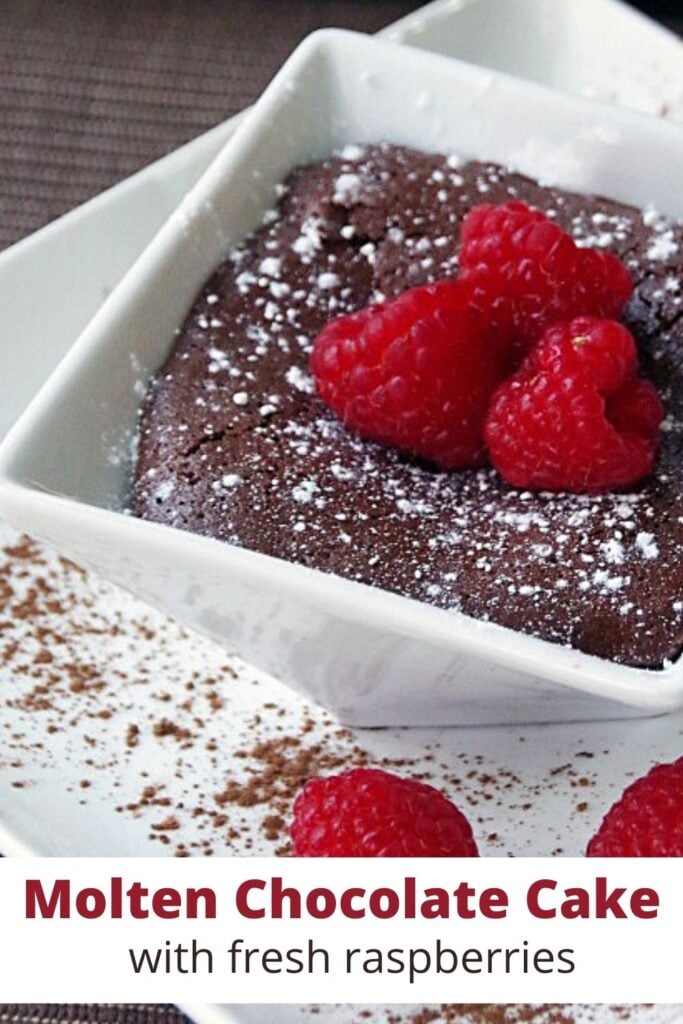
[(367, 812), (648, 819), (575, 417), (416, 372), (524, 273)]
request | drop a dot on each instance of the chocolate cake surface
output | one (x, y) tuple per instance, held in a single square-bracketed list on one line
[(234, 442)]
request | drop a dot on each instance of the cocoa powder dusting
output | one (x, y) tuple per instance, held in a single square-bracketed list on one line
[(201, 754), (484, 1013)]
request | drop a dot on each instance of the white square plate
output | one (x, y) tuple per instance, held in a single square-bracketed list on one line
[(599, 48), (529, 790), (582, 1014)]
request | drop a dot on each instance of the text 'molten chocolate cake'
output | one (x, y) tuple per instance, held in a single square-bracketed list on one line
[(234, 442)]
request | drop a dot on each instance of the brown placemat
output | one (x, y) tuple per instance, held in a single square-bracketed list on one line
[(92, 90), (78, 1013)]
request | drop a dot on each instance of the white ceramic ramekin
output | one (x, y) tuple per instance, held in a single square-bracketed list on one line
[(599, 48), (371, 657)]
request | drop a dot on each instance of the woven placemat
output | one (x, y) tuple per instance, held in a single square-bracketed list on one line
[(78, 1013), (92, 90)]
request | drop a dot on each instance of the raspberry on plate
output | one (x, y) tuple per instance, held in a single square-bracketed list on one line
[(523, 273), (576, 417), (416, 372), (647, 821), (367, 812)]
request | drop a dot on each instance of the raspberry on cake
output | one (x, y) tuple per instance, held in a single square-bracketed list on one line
[(576, 417), (417, 372), (647, 820), (524, 273), (368, 812)]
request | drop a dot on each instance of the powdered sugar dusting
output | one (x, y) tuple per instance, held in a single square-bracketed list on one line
[(367, 224)]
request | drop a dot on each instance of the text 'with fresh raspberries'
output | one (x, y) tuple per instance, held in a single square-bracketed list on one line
[(340, 929)]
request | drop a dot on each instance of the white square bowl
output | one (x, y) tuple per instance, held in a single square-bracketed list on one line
[(600, 48), (372, 657)]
